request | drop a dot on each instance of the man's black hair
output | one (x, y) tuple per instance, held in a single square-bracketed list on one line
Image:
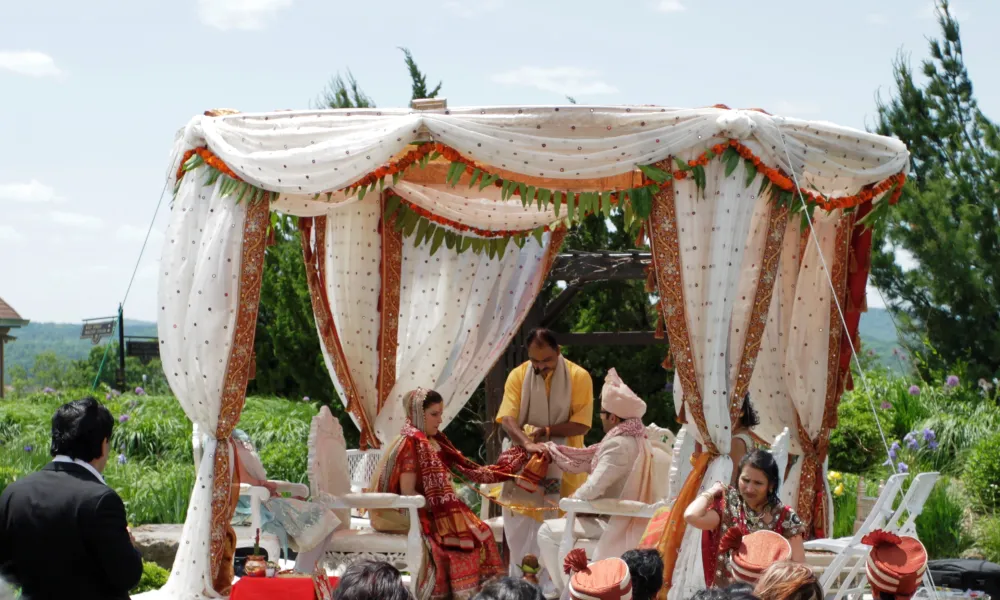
[(79, 429)]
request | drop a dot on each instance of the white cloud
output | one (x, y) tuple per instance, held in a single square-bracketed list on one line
[(876, 19), (9, 234), (787, 108), (248, 15), (33, 191), (131, 233), (472, 8), (669, 6), (76, 220), (571, 81), (29, 62)]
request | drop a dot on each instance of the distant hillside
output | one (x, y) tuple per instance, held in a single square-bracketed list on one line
[(61, 338), (877, 333)]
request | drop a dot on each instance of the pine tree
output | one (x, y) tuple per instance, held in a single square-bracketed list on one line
[(949, 305)]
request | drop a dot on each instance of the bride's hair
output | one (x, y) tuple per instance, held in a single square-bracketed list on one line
[(431, 398)]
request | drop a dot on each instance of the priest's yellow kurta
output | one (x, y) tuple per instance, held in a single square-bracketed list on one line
[(581, 409)]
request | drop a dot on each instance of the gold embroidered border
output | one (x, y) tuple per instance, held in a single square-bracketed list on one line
[(237, 369), (770, 257), (811, 501), (391, 267), (315, 260), (667, 263), (556, 239)]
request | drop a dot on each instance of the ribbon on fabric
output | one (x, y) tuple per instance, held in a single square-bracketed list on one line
[(670, 542)]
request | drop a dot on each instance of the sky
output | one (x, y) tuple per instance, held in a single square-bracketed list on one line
[(92, 93)]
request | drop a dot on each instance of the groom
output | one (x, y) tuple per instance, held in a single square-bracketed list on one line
[(545, 399)]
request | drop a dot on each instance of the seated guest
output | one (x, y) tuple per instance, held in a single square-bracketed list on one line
[(607, 579), (305, 526), (63, 531), (620, 467), (895, 565), (742, 441), (788, 580), (752, 506), (646, 569), (460, 552), (371, 580), (510, 588)]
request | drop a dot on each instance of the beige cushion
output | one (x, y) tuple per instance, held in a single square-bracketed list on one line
[(366, 540)]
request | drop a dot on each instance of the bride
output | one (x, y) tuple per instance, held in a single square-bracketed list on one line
[(460, 552)]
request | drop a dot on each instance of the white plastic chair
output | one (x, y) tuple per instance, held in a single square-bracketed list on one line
[(842, 577), (246, 535)]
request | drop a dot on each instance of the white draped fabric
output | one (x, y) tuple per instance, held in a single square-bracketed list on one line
[(458, 313), (308, 152), (721, 234), (198, 288)]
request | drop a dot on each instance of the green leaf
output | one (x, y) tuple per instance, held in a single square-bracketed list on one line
[(505, 189), (438, 238), (557, 202), (544, 197), (709, 154), (429, 232), (732, 158), (244, 186), (606, 203), (699, 177), (411, 223), (396, 177), (454, 173), (466, 243), (538, 233), (570, 205), (529, 195), (520, 239), (682, 165), (433, 155), (656, 174), (487, 182), (477, 244), (642, 202), (213, 176), (421, 229), (751, 172), (502, 246), (764, 184), (361, 193), (401, 218), (392, 202), (475, 175), (451, 239)]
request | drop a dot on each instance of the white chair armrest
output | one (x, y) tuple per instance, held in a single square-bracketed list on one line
[(608, 506), (372, 500), (257, 493), (295, 489)]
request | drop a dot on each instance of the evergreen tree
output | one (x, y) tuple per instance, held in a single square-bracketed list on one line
[(947, 216)]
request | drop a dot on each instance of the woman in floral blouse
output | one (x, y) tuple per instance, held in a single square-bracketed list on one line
[(725, 514)]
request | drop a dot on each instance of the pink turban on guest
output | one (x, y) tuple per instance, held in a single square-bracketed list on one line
[(619, 400)]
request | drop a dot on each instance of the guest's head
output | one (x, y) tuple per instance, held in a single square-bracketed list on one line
[(748, 416), (424, 408), (646, 569), (509, 588), (740, 591), (788, 580), (543, 351), (618, 402), (82, 430), (758, 482), (371, 580)]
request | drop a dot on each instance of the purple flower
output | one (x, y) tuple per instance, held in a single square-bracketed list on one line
[(912, 444), (929, 435), (48, 390), (140, 392), (903, 468), (885, 405), (28, 448), (115, 393), (107, 396), (952, 381), (305, 398), (895, 446), (893, 450), (669, 388), (914, 390), (121, 459), (124, 419), (887, 463), (933, 445)]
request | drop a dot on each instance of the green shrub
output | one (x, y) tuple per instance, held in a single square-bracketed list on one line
[(982, 472), (153, 578), (285, 461), (855, 444), (940, 525), (988, 537), (153, 492)]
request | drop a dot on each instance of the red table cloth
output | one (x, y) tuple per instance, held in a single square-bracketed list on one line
[(275, 588)]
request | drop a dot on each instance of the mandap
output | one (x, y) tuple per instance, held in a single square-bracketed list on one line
[(427, 234)]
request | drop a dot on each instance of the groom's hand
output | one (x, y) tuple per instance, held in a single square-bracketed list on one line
[(537, 435)]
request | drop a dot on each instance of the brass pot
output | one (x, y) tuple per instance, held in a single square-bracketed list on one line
[(255, 566)]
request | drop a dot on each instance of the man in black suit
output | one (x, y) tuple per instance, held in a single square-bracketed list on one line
[(63, 532)]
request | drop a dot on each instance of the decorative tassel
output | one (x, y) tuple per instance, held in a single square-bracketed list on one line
[(668, 362), (651, 285), (271, 240), (253, 366), (660, 332), (641, 236)]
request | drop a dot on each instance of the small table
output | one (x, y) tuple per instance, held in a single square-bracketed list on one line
[(275, 588)]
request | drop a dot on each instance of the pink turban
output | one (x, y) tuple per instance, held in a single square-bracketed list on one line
[(619, 400)]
